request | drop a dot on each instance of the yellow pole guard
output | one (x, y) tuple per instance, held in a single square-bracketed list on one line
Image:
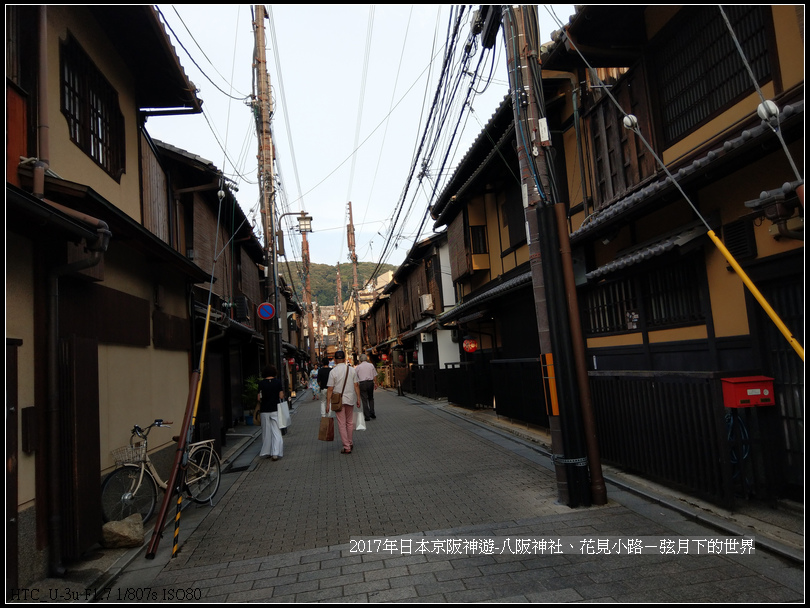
[(552, 384), (759, 297), (202, 364)]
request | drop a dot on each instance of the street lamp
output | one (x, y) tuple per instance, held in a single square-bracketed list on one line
[(304, 226)]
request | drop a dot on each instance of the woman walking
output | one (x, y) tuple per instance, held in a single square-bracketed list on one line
[(271, 391), (343, 379)]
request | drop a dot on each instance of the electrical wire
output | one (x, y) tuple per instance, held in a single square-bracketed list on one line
[(197, 44), (215, 85), (769, 110)]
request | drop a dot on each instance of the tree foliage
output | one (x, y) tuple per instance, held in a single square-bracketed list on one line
[(323, 279)]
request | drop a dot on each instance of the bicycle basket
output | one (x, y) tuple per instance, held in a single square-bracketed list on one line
[(128, 454)]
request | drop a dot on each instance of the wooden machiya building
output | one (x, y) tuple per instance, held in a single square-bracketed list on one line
[(404, 337), (494, 319), (109, 246), (672, 334)]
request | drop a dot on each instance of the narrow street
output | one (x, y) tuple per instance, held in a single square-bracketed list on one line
[(282, 531)]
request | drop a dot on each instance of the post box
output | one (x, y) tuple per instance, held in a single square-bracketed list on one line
[(748, 391)]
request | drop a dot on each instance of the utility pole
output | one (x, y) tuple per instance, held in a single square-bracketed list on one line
[(308, 297), (575, 486), (264, 111), (358, 338), (339, 308)]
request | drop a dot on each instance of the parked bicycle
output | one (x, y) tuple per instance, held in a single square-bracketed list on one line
[(133, 486)]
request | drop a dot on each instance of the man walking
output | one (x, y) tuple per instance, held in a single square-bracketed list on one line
[(343, 379), (367, 375)]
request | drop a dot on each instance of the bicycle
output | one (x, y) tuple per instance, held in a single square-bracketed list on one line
[(133, 486)]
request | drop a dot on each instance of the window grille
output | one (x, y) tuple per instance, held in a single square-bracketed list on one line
[(665, 296), (672, 296), (699, 69), (90, 105), (611, 307)]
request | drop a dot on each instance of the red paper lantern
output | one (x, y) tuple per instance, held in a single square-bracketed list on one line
[(385, 357), (470, 345)]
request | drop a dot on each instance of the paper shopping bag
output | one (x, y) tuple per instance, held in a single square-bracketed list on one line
[(327, 430)]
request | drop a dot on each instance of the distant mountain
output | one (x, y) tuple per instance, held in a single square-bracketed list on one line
[(323, 279)]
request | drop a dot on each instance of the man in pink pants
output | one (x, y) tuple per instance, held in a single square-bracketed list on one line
[(343, 379)]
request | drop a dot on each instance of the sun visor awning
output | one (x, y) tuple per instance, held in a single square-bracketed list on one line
[(517, 282), (647, 251), (419, 330)]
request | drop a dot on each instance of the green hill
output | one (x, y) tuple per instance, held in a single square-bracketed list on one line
[(323, 279)]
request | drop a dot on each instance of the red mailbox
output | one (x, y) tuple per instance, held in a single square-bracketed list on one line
[(748, 391)]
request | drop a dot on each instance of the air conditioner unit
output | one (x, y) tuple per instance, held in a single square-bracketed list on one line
[(425, 302), (242, 307)]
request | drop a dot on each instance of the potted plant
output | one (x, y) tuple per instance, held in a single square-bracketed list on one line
[(249, 395)]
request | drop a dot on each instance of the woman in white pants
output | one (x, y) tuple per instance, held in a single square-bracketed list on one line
[(271, 391)]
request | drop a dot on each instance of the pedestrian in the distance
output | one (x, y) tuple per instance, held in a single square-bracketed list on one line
[(343, 379), (271, 391), (367, 378), (323, 378), (313, 383)]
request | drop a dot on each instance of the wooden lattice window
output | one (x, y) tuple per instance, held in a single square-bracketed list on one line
[(611, 307), (699, 69), (90, 106), (662, 296)]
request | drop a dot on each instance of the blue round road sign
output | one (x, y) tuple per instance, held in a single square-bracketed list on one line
[(266, 311)]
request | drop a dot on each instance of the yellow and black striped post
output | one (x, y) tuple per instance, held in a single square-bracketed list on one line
[(177, 524)]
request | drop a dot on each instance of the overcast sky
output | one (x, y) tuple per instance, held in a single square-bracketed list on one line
[(352, 85)]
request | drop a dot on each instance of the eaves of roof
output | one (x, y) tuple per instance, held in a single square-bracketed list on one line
[(717, 160), (419, 330), (142, 42), (124, 228), (448, 209), (513, 284), (647, 251), (500, 121)]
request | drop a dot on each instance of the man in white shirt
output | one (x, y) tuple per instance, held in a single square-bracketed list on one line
[(366, 375), (343, 380)]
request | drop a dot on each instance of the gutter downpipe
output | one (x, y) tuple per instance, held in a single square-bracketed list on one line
[(598, 488), (43, 139)]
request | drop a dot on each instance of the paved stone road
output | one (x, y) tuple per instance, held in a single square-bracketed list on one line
[(281, 531)]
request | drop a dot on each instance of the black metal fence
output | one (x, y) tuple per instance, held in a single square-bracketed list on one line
[(671, 427), (426, 380), (667, 426), (520, 390), (467, 384)]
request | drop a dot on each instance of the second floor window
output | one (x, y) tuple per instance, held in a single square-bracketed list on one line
[(90, 106), (700, 71)]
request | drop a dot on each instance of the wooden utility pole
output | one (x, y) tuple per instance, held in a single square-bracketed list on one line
[(339, 309), (358, 338), (308, 297), (264, 112), (575, 485)]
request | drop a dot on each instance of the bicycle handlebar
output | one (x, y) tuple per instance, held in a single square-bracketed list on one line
[(136, 430)]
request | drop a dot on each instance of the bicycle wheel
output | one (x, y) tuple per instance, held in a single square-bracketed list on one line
[(202, 474), (122, 496)]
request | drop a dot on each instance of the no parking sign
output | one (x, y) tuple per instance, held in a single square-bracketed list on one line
[(265, 311)]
